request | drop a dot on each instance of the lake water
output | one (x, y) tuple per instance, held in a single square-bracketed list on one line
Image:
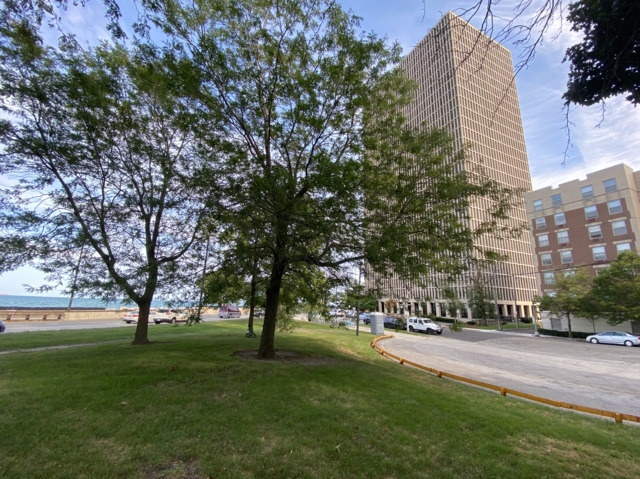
[(12, 301)]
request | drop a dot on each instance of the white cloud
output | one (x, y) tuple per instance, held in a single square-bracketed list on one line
[(608, 137), (13, 282)]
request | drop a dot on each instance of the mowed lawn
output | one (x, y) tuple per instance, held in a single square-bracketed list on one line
[(187, 406)]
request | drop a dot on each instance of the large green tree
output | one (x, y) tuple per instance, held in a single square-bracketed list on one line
[(104, 154), (607, 61), (570, 297), (616, 290), (316, 105)]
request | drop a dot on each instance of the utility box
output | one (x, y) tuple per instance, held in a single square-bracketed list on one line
[(377, 324)]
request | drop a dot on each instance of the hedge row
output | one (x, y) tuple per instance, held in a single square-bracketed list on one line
[(564, 334)]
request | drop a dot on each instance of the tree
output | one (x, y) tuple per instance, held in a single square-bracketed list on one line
[(452, 301), (316, 106), (105, 151), (570, 295), (616, 289), (356, 296), (607, 61), (226, 285), (481, 298)]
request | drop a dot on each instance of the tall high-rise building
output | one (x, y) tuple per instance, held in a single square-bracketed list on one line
[(466, 84)]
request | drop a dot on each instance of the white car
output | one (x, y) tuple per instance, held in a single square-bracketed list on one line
[(132, 317), (169, 316), (423, 325), (615, 337)]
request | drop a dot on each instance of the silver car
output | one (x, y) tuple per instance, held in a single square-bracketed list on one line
[(614, 337)]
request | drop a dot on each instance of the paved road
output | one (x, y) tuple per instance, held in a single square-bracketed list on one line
[(24, 326), (599, 376)]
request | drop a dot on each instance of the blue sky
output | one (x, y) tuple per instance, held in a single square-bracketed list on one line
[(595, 143)]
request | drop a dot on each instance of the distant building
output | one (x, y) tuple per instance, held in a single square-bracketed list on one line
[(584, 223), (467, 86)]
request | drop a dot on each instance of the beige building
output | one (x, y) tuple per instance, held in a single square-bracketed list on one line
[(467, 86)]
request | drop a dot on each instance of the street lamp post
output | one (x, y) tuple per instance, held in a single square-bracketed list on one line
[(495, 295), (535, 318)]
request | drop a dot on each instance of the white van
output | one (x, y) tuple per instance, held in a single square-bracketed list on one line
[(423, 325), (229, 311)]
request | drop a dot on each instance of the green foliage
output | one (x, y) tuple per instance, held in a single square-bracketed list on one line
[(224, 285), (356, 295), (420, 190), (606, 62), (316, 106), (453, 302), (111, 157), (571, 296), (456, 326), (480, 293), (616, 289), (286, 321), (563, 334)]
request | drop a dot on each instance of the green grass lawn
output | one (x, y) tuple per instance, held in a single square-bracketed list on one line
[(187, 407)]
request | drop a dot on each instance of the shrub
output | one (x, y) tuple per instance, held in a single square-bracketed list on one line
[(563, 334), (471, 323), (456, 327), (443, 320)]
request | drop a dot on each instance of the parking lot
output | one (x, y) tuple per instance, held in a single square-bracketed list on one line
[(599, 376)]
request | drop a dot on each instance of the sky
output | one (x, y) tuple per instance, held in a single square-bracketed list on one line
[(597, 137)]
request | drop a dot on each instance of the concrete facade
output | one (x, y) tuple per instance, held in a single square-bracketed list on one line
[(467, 86)]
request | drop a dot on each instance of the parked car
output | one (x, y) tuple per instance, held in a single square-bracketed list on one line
[(392, 323), (258, 313), (423, 325), (132, 317), (365, 317), (2, 327), (169, 316), (229, 311), (615, 337)]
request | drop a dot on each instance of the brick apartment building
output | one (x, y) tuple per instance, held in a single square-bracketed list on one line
[(584, 223)]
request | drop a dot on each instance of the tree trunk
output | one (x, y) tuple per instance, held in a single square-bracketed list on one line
[(267, 340), (142, 327), (569, 325), (254, 287)]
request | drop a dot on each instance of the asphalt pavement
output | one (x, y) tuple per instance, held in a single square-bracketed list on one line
[(599, 376)]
